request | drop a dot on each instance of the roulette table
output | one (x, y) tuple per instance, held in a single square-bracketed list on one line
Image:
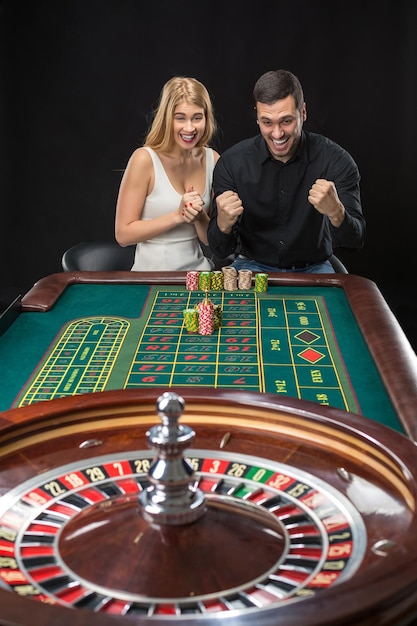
[(277, 484), (327, 339)]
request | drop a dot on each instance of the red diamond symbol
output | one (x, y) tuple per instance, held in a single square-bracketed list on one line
[(310, 355)]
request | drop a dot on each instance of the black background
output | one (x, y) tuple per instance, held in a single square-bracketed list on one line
[(80, 77)]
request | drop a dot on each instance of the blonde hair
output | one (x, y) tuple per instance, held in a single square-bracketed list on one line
[(179, 89)]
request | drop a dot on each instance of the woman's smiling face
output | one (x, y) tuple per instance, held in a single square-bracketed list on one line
[(188, 125)]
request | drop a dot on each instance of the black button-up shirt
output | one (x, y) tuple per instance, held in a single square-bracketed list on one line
[(279, 227)]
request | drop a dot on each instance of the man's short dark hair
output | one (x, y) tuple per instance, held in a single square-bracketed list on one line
[(277, 85)]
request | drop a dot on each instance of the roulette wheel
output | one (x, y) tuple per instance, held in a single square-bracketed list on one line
[(203, 507)]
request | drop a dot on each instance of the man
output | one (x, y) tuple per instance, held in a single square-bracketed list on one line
[(285, 198)]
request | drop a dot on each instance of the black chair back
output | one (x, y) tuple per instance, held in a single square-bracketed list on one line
[(98, 256)]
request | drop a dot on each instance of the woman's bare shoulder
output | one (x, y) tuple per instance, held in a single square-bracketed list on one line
[(141, 156), (216, 155)]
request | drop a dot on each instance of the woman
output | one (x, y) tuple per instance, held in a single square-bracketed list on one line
[(165, 193)]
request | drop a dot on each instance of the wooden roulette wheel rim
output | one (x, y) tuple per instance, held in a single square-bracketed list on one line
[(366, 463)]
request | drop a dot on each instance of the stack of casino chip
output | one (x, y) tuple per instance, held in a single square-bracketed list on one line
[(206, 317), (192, 281), (261, 282), (191, 320), (229, 278), (205, 281), (245, 279), (218, 316), (217, 281)]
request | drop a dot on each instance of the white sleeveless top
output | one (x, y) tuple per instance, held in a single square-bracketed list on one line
[(179, 248)]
